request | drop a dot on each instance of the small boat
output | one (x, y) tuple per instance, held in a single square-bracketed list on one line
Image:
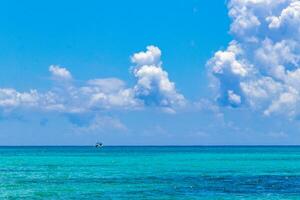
[(99, 145)]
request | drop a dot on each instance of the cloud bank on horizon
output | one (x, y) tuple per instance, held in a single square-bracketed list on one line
[(153, 88), (260, 68)]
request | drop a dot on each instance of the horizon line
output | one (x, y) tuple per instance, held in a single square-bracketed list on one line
[(217, 145)]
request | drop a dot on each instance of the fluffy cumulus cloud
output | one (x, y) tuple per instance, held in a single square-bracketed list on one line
[(260, 68), (94, 95), (153, 88), (11, 98), (153, 84)]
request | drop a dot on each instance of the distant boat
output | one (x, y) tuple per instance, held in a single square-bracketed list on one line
[(99, 145)]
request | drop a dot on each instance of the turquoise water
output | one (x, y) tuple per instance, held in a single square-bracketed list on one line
[(150, 173)]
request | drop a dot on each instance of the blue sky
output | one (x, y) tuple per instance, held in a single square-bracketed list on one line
[(140, 72)]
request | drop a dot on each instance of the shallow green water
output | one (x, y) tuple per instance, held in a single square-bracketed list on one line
[(150, 173)]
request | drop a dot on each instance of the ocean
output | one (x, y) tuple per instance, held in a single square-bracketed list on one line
[(171, 172)]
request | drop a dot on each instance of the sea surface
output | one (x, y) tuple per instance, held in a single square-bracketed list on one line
[(150, 172)]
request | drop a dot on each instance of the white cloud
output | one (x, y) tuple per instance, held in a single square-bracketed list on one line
[(10, 98), (153, 88), (107, 84), (109, 93), (286, 103), (250, 17), (149, 57), (153, 84), (60, 72), (290, 17), (234, 98), (261, 66), (226, 62), (97, 94)]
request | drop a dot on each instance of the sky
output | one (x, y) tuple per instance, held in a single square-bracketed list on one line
[(194, 72)]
